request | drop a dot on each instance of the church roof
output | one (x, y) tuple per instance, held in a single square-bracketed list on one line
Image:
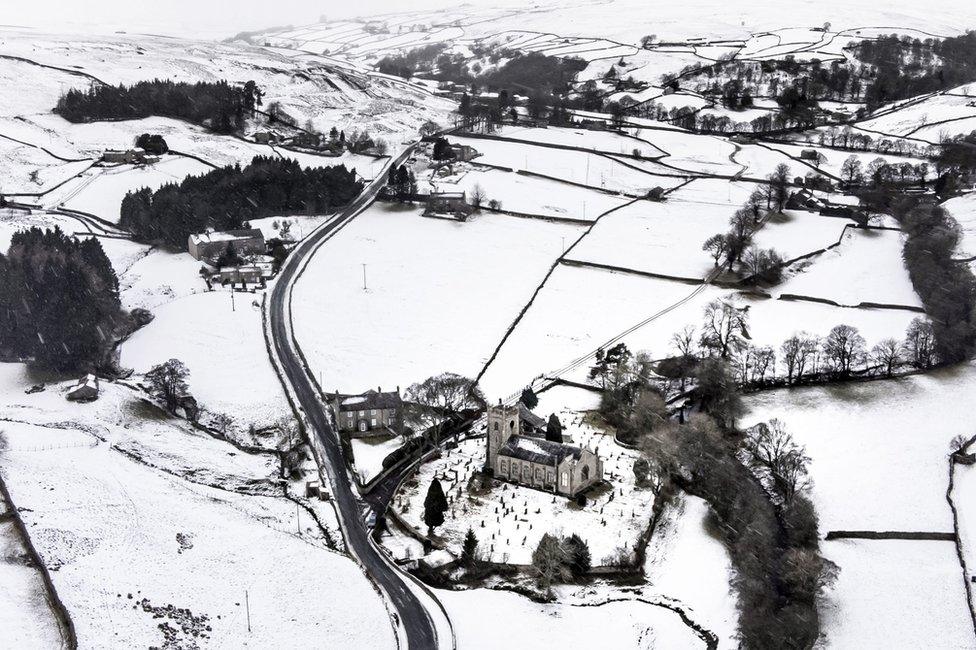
[(538, 450), (530, 418)]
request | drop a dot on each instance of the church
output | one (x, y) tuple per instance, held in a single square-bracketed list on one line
[(518, 452)]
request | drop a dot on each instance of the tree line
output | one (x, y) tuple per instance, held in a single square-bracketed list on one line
[(218, 106), (756, 483), (227, 198), (59, 300)]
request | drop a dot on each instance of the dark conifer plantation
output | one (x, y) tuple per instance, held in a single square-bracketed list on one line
[(59, 300), (226, 198)]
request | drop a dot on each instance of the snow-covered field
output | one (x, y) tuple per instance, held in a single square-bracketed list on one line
[(440, 294), (799, 232), (896, 594), (661, 237), (579, 310), (594, 170), (532, 195), (222, 344), (137, 511), (688, 564), (100, 191), (620, 624), (963, 210), (603, 141), (25, 618), (866, 267), (612, 519), (926, 120), (879, 449)]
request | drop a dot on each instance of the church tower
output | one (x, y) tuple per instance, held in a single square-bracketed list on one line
[(503, 423)]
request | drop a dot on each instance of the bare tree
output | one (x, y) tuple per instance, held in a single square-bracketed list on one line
[(221, 422), (850, 170), (763, 363), (441, 397), (779, 462), (725, 328), (684, 341), (920, 342), (795, 352), (887, 354), (477, 195), (167, 381), (843, 349), (717, 246)]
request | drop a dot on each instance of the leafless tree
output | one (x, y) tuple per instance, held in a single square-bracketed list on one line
[(920, 342), (777, 459), (684, 341), (763, 363), (887, 354), (440, 397), (477, 195), (725, 328), (843, 349)]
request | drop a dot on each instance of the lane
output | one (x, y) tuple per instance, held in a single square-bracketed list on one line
[(416, 620)]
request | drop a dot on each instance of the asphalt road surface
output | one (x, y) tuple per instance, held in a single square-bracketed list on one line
[(417, 623)]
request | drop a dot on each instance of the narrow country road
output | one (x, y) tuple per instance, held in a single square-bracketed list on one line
[(416, 621)]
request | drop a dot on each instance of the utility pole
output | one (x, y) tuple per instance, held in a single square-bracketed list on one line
[(298, 516), (247, 608), (364, 277), (232, 307)]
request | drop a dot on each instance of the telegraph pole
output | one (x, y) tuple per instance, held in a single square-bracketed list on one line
[(247, 607), (364, 277)]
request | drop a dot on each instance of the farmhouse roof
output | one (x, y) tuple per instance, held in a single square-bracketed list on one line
[(538, 450), (226, 236), (371, 399)]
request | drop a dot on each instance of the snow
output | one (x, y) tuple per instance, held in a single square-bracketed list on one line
[(799, 232), (658, 237), (687, 563), (896, 594), (224, 350), (25, 617), (773, 321), (370, 452), (579, 310), (100, 190), (594, 170), (622, 624), (925, 119), (963, 210), (603, 141), (866, 267), (538, 196), (440, 294), (879, 459)]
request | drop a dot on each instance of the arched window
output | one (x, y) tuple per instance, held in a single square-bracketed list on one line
[(496, 426), (586, 472), (511, 425)]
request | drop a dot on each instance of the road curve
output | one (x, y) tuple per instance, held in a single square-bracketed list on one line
[(416, 621)]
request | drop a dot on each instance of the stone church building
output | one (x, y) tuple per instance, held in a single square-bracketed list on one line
[(515, 455)]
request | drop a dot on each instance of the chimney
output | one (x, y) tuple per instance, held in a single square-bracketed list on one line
[(379, 390)]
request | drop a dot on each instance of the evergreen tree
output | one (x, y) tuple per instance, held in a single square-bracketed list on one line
[(470, 548), (529, 398), (435, 505), (578, 556), (554, 429)]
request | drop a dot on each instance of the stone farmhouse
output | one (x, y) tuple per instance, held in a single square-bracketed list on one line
[(368, 414), (516, 452), (209, 245)]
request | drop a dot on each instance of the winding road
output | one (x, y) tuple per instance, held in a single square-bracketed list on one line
[(417, 624)]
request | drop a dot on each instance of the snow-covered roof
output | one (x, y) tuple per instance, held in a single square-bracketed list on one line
[(371, 399), (538, 450), (226, 236)]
